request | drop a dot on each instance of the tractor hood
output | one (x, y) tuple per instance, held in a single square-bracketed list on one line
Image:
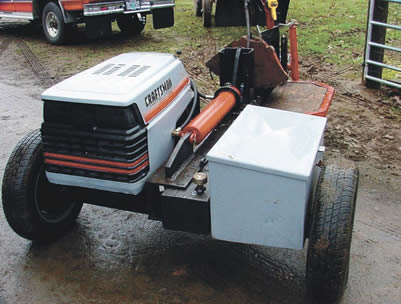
[(141, 78)]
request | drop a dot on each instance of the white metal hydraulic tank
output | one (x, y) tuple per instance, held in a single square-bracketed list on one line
[(262, 172)]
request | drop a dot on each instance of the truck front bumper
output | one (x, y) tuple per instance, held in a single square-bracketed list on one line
[(125, 7)]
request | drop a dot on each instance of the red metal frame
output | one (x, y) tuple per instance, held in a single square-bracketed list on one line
[(327, 99), (293, 66)]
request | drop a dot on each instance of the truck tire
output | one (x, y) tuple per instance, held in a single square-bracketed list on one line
[(34, 208), (53, 24), (207, 6), (130, 24), (331, 231)]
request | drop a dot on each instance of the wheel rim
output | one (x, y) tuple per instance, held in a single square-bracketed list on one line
[(52, 202), (52, 24)]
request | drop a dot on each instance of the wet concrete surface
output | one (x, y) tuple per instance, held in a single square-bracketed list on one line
[(114, 256)]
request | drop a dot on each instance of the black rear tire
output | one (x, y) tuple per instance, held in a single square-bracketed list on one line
[(34, 208), (330, 238), (53, 24), (130, 24)]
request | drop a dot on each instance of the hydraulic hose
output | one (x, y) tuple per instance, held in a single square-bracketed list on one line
[(205, 96), (194, 101)]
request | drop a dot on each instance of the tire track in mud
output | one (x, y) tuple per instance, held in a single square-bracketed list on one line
[(390, 229), (4, 45), (34, 62), (277, 269), (363, 286)]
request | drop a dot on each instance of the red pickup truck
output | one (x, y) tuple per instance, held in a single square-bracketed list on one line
[(59, 16)]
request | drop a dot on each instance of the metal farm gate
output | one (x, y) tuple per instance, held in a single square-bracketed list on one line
[(375, 44)]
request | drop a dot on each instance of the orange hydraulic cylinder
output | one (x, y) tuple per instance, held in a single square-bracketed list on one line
[(210, 117)]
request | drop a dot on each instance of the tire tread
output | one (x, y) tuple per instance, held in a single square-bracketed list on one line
[(331, 235), (17, 192)]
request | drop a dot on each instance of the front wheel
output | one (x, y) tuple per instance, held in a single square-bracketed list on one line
[(34, 208), (53, 24), (331, 232), (131, 24)]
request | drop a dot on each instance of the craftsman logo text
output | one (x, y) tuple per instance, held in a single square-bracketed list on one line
[(158, 93)]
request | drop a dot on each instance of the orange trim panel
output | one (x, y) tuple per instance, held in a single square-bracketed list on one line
[(95, 161), (166, 101), (71, 5), (7, 7), (25, 7), (95, 168)]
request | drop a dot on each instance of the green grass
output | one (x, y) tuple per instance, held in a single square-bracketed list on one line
[(332, 29)]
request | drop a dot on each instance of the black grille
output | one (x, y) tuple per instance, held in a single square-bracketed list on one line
[(93, 133)]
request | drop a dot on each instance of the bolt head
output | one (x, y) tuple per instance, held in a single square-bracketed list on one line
[(200, 178)]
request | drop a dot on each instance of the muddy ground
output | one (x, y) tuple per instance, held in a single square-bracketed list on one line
[(119, 257)]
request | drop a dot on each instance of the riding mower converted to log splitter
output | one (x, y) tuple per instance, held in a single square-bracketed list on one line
[(129, 134)]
